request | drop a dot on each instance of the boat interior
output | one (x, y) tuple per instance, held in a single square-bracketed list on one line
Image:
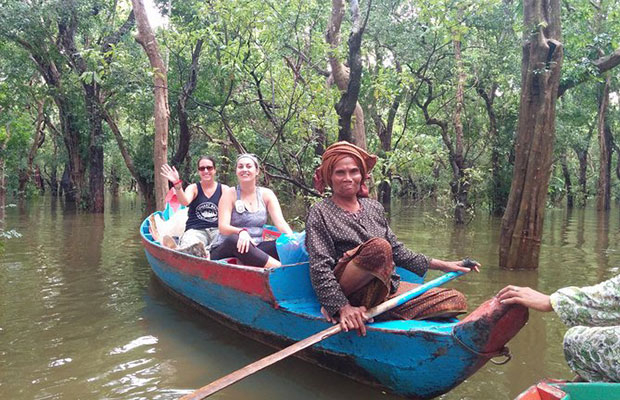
[(300, 297)]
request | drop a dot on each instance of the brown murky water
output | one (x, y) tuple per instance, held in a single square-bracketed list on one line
[(82, 318)]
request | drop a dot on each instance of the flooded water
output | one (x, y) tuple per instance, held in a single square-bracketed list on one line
[(82, 317)]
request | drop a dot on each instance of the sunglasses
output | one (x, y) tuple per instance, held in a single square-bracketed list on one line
[(208, 168)]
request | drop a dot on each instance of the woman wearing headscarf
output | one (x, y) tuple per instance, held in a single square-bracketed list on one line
[(353, 250)]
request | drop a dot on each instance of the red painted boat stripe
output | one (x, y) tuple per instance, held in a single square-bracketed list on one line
[(251, 280)]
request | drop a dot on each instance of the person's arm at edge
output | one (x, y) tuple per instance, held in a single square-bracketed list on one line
[(188, 195), (596, 305)]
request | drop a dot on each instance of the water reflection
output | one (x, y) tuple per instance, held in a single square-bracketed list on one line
[(82, 317)]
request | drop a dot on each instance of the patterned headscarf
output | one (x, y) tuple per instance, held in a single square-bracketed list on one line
[(335, 153)]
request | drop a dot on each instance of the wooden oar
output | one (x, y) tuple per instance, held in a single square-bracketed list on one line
[(248, 370)]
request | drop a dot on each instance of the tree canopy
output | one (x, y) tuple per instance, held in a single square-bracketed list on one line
[(439, 86)]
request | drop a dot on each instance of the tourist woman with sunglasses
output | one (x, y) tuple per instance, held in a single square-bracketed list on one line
[(202, 199), (243, 212)]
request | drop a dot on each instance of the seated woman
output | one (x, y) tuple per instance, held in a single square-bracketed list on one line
[(202, 199), (243, 212), (593, 313), (352, 249)]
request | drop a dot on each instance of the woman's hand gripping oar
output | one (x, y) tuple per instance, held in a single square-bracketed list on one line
[(256, 366)]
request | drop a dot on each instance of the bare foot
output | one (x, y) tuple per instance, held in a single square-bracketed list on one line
[(153, 228), (169, 242)]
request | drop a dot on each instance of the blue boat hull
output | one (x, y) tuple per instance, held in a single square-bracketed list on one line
[(416, 359)]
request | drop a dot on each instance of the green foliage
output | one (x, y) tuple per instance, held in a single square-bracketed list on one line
[(260, 80)]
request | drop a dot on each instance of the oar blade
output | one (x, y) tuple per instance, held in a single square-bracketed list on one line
[(250, 369)]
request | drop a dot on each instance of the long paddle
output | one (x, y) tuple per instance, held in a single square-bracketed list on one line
[(248, 370)]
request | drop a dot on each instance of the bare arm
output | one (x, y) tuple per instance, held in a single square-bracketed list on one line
[(225, 206), (275, 211), (188, 195), (185, 196)]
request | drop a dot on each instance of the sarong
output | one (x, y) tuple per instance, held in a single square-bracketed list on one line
[(375, 256)]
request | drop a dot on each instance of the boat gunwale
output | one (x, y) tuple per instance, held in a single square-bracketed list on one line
[(407, 327)]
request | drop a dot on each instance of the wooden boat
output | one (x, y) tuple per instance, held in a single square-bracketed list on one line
[(562, 390), (277, 306)]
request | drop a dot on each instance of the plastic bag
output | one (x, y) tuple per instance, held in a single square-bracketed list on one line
[(292, 248), (270, 232), (172, 205)]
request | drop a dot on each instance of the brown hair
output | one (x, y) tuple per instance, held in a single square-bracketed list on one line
[(205, 158), (251, 157)]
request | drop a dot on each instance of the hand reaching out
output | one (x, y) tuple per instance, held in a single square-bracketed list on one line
[(525, 296), (452, 266)]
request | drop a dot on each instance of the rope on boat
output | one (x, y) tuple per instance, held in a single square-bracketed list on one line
[(504, 351)]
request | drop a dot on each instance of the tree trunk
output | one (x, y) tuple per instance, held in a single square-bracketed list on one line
[(3, 145), (95, 164), (74, 187), (65, 182), (522, 223), (67, 30), (385, 188), (37, 142), (321, 138), (115, 181), (582, 156), (52, 178), (603, 192), (570, 198), (147, 40), (188, 89), (38, 179), (460, 182), (74, 184), (341, 76), (498, 200), (146, 188), (53, 182), (385, 130)]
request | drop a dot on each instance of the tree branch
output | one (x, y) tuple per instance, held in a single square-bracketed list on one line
[(602, 64)]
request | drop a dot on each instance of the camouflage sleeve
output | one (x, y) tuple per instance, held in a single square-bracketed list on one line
[(593, 353), (597, 305)]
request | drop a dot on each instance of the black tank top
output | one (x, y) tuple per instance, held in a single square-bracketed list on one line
[(203, 213)]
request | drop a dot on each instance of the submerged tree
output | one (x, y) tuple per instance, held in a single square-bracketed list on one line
[(161, 113), (522, 223)]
